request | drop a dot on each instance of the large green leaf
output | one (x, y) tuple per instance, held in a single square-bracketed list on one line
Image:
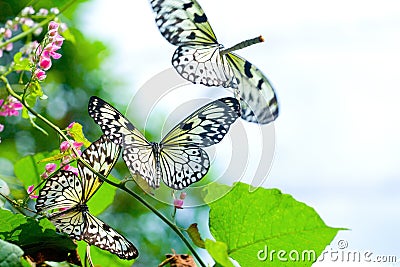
[(219, 252), (34, 237), (10, 254), (253, 224), (28, 170)]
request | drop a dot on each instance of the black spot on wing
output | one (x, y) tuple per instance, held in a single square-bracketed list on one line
[(187, 126), (191, 36), (187, 5), (200, 19), (260, 82), (247, 67), (106, 227)]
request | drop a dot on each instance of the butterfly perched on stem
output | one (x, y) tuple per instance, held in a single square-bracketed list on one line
[(199, 58), (67, 195), (178, 159)]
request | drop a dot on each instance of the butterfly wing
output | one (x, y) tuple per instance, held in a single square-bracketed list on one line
[(183, 166), (182, 160), (63, 191), (183, 22), (101, 155), (197, 59), (258, 99), (203, 64), (138, 154), (206, 126), (103, 236), (70, 222)]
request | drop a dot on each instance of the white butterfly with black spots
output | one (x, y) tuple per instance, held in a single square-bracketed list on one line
[(199, 58), (67, 195), (178, 159)]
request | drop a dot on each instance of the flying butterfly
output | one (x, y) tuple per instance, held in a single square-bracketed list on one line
[(67, 195), (178, 159), (199, 58)]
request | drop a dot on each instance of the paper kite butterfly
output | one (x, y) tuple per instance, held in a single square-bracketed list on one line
[(199, 58), (67, 195), (178, 159)]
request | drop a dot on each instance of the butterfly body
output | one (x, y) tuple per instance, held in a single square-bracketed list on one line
[(178, 159)]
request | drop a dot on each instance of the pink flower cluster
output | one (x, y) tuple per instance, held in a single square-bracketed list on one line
[(10, 107), (48, 51), (25, 19)]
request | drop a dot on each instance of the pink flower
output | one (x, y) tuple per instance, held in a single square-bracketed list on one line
[(53, 26), (30, 190), (50, 167), (54, 10), (43, 12), (27, 21), (71, 169), (27, 11), (66, 159), (69, 126), (178, 203), (64, 146), (10, 107), (1, 128), (7, 33), (40, 74), (77, 145), (45, 63), (44, 175), (9, 46)]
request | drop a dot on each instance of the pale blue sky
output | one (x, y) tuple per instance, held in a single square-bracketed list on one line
[(335, 67)]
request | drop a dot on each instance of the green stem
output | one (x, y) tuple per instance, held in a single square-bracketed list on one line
[(39, 25), (103, 178)]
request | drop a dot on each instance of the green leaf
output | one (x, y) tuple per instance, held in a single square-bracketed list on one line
[(77, 133), (67, 34), (102, 257), (10, 254), (219, 252), (252, 224), (33, 236), (194, 234), (21, 63), (28, 170), (103, 198)]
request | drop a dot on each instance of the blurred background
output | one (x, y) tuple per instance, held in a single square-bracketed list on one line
[(335, 68)]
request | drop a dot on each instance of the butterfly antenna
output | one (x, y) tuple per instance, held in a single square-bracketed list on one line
[(243, 44)]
